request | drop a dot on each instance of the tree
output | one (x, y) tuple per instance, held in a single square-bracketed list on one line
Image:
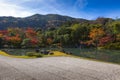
[(79, 33), (96, 34), (105, 40), (26, 42), (49, 41), (64, 30), (114, 29), (30, 32)]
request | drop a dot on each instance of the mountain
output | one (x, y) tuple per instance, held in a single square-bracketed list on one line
[(37, 21)]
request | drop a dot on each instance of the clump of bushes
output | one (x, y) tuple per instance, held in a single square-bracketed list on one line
[(46, 52), (39, 53), (51, 53), (34, 54)]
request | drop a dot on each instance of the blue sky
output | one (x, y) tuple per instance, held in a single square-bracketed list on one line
[(88, 9)]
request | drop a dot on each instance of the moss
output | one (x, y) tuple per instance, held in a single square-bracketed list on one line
[(5, 54), (55, 53)]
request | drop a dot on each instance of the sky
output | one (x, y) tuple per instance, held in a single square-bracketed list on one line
[(87, 9)]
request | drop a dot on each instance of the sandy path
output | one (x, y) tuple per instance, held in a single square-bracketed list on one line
[(56, 68)]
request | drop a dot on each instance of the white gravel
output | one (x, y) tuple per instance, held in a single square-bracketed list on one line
[(57, 68)]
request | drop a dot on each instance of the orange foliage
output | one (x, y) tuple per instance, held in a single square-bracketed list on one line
[(1, 35), (96, 33), (13, 39), (105, 40), (4, 32), (30, 32), (49, 40), (34, 41)]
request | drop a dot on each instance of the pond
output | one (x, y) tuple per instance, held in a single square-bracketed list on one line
[(103, 55)]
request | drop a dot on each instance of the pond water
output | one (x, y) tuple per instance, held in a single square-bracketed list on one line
[(104, 55)]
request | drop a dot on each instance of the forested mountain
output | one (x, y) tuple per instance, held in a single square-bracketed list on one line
[(61, 31), (37, 21)]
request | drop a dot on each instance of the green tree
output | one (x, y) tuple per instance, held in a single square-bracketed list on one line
[(26, 42), (80, 33), (114, 29)]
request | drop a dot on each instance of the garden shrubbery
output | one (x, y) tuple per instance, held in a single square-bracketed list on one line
[(39, 54), (34, 54)]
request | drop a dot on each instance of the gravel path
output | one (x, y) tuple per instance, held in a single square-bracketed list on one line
[(56, 68)]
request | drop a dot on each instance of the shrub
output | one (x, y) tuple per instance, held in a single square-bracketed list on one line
[(33, 54), (39, 55), (51, 53), (68, 53), (45, 52), (37, 50)]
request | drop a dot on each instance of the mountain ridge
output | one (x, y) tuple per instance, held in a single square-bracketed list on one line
[(37, 20)]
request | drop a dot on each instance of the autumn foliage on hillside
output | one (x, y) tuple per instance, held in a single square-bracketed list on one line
[(80, 35)]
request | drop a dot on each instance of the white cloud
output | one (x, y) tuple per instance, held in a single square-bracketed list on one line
[(23, 8), (12, 9), (81, 3)]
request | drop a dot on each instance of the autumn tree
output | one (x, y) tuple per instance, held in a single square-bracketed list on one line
[(49, 41), (30, 32), (34, 41), (13, 40), (106, 40), (96, 34)]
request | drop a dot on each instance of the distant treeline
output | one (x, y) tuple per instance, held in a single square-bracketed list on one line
[(103, 33)]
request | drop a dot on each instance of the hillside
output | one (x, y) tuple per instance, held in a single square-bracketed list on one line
[(37, 20)]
